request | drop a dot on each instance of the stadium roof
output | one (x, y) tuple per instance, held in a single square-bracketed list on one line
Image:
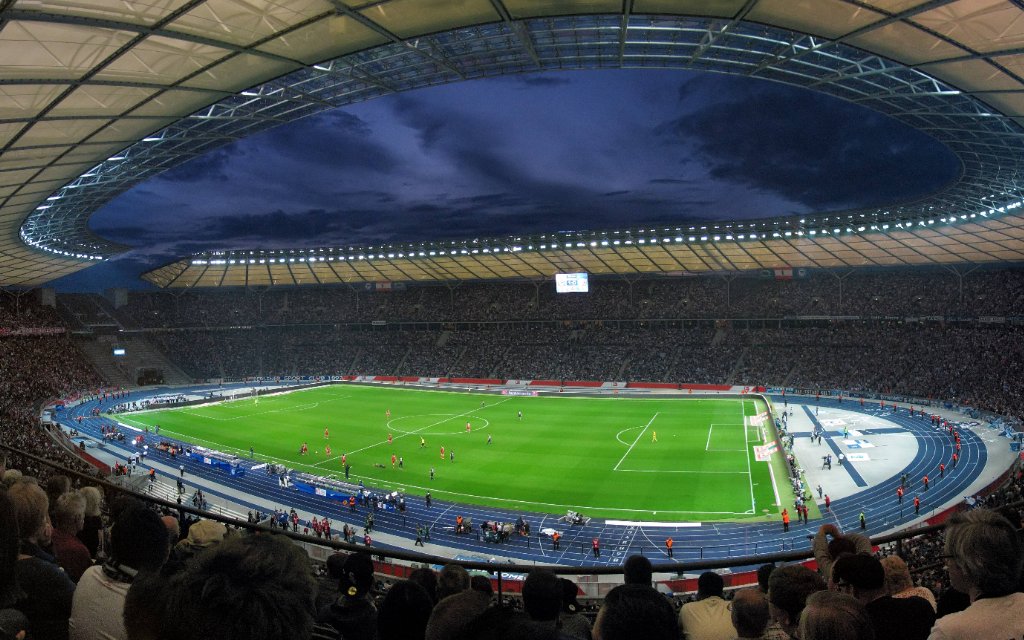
[(98, 96)]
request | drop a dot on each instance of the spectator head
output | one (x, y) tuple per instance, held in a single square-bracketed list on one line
[(750, 613), (11, 476), (502, 623), (246, 588), (788, 589), (173, 529), (357, 575), (455, 613), (481, 584), (120, 503), (710, 584), (861, 575), (144, 606), (897, 575), (453, 579), (57, 486), (93, 500), (427, 579), (69, 513), (30, 510), (569, 593), (839, 546), (635, 611), (138, 539), (984, 554), (542, 595), (205, 533), (404, 612), (830, 615), (638, 570), (763, 573)]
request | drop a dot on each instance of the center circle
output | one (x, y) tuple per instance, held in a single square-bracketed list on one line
[(431, 422)]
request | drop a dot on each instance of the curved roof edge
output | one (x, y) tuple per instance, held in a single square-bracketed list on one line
[(954, 80)]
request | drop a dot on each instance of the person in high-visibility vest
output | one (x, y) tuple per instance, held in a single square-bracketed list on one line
[(668, 546), (555, 537), (785, 520)]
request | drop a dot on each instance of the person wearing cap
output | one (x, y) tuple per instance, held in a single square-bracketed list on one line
[(570, 621), (353, 614), (862, 576)]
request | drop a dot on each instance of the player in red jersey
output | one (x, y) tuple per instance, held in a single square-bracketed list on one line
[(326, 433), (442, 452)]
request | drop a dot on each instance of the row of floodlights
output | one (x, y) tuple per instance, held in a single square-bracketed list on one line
[(38, 244), (605, 243)]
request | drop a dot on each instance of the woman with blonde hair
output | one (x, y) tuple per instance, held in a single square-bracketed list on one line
[(899, 584), (90, 533)]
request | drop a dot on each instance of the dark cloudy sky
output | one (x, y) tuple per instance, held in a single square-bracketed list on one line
[(576, 150)]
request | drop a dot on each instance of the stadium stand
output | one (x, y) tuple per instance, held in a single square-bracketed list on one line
[(966, 362)]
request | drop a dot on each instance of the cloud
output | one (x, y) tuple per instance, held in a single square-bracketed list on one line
[(669, 181), (209, 166), (805, 146), (540, 80), (335, 139), (278, 225)]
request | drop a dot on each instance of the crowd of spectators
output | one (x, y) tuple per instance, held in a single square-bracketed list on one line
[(906, 293), (969, 364), (34, 369)]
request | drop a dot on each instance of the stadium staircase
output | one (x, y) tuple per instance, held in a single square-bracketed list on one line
[(99, 351), (736, 368), (139, 354)]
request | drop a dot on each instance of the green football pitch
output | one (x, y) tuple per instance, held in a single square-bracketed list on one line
[(653, 459)]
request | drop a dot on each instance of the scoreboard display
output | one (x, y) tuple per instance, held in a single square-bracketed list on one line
[(571, 283)]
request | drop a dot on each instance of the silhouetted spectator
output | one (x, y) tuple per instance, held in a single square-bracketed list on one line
[(571, 622), (138, 542), (862, 576), (633, 611), (353, 614), (637, 570), (404, 612)]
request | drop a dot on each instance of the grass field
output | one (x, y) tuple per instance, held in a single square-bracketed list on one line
[(594, 455)]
